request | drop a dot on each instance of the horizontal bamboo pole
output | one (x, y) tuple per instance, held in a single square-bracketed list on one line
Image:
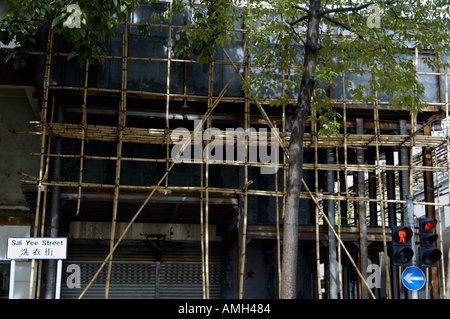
[(307, 166), (225, 191), (158, 136)]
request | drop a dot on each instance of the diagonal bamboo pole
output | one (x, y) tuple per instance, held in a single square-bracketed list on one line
[(205, 116)]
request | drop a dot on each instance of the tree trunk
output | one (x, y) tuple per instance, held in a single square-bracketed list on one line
[(290, 228)]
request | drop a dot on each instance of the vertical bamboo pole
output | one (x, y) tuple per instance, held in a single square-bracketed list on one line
[(209, 125), (344, 110), (339, 269), (277, 212), (380, 194), (439, 218), (42, 159), (448, 168), (244, 221), (169, 58), (121, 127), (284, 161), (83, 136), (44, 206), (316, 209), (202, 224)]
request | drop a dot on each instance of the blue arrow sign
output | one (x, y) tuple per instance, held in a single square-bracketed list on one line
[(413, 278)]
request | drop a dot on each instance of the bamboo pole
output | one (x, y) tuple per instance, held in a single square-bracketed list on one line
[(245, 188), (44, 206), (277, 220), (381, 202), (209, 125), (202, 227), (169, 57), (316, 210), (439, 218), (83, 137), (339, 269), (42, 159), (208, 112), (121, 127), (448, 168)]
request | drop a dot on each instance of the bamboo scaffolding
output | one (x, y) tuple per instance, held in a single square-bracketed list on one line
[(208, 112), (269, 122), (154, 136)]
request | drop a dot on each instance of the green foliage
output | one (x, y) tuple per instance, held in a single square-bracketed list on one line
[(382, 56), (99, 22)]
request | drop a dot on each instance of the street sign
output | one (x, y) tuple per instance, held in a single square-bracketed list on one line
[(413, 278), (36, 248)]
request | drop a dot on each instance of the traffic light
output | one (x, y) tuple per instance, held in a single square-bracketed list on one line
[(428, 254), (402, 240)]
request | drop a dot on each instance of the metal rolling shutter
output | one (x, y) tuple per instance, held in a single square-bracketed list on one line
[(143, 280), (128, 280), (183, 280)]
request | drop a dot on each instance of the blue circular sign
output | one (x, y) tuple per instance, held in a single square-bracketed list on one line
[(413, 278)]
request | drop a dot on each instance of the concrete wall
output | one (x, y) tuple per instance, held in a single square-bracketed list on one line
[(17, 109), (15, 114)]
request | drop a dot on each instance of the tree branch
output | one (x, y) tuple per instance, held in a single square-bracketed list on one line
[(346, 9), (346, 27), (301, 8), (364, 6), (299, 20)]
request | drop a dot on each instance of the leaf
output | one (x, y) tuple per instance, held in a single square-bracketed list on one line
[(71, 55), (56, 21)]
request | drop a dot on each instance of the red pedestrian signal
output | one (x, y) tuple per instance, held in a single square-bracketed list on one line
[(429, 224), (428, 254), (402, 235), (402, 252)]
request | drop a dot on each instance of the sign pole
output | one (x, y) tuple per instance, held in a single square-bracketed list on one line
[(58, 280), (12, 275), (410, 224)]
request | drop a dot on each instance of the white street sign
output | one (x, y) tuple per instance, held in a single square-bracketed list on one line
[(36, 248)]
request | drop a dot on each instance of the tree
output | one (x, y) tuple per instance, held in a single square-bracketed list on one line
[(370, 36), (320, 38)]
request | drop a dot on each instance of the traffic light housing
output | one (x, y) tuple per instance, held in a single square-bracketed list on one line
[(428, 254), (402, 240)]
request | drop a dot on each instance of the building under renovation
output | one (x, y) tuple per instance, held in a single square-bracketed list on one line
[(89, 157)]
